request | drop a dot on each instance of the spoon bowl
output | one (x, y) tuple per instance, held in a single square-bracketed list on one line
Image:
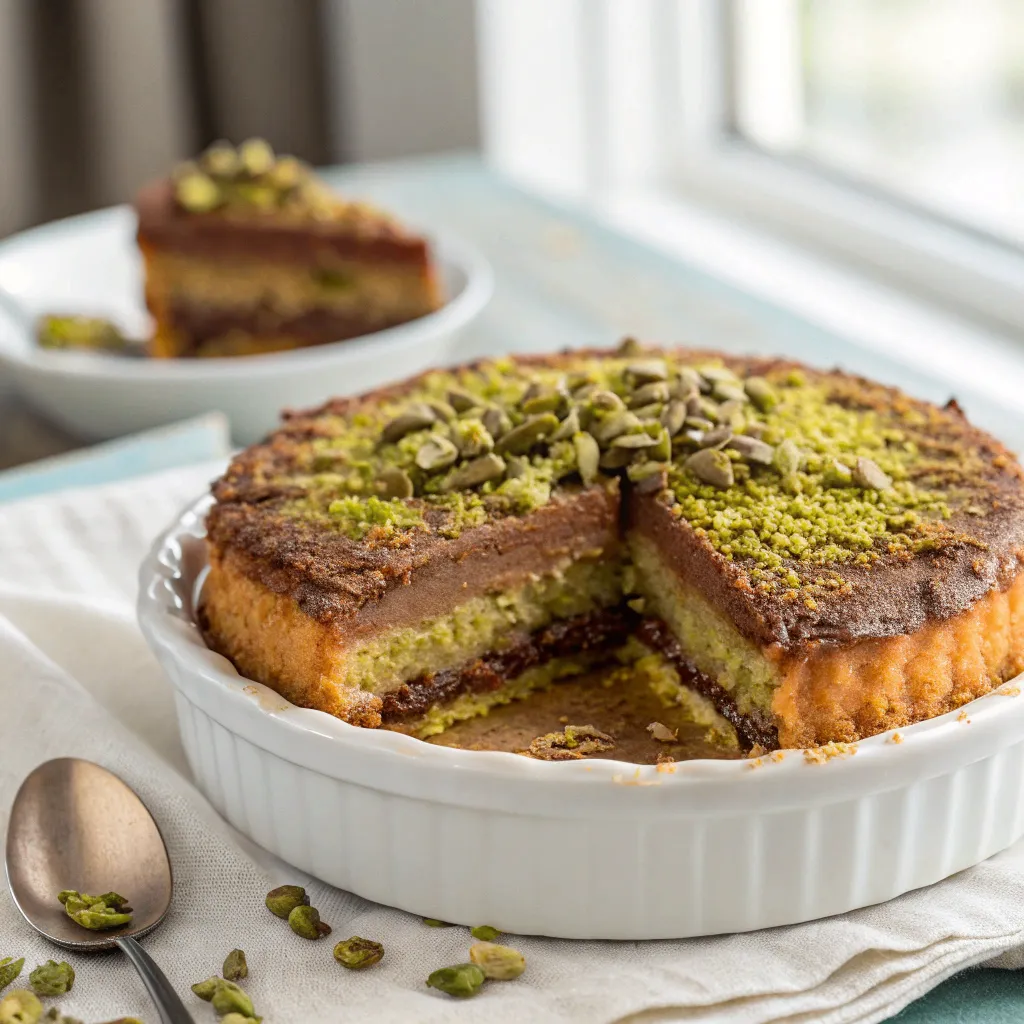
[(74, 825)]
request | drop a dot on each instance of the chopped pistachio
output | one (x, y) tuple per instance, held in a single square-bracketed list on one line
[(79, 332), (198, 193), (433, 922), (711, 466), (462, 980), (868, 474), (205, 989), (97, 913), (285, 898), (52, 978), (761, 393), (436, 453), (393, 482), (305, 921), (256, 156), (519, 440), (473, 474), (20, 1006), (231, 998), (239, 1018), (220, 160), (10, 969), (53, 1014), (498, 963), (356, 953), (235, 966), (485, 932)]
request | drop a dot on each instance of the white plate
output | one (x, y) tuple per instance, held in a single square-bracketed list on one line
[(581, 849), (90, 265)]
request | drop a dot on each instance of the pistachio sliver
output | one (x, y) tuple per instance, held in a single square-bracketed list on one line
[(588, 455), (461, 981), (753, 449), (393, 482), (498, 963), (436, 453), (867, 473), (416, 417), (478, 471), (711, 466), (519, 440)]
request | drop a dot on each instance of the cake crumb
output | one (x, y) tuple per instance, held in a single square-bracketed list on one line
[(778, 756), (571, 744), (662, 733), (896, 737), (963, 717), (755, 763), (827, 751), (666, 767), (1009, 691), (635, 780), (564, 720), (757, 751)]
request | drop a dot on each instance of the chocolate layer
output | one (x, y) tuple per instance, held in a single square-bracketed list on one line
[(594, 633), (754, 728), (314, 327), (163, 224)]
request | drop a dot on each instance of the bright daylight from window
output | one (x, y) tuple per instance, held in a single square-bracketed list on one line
[(920, 99)]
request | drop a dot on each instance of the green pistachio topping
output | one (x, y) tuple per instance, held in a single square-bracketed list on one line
[(97, 913), (10, 969), (461, 981), (231, 998), (433, 922), (787, 472), (485, 932), (205, 989), (235, 966), (285, 898), (305, 921), (52, 978), (20, 1006), (498, 963), (356, 953), (253, 179), (79, 332), (53, 1014)]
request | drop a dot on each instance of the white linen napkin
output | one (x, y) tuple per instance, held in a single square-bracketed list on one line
[(76, 679)]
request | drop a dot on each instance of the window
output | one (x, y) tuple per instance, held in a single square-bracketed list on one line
[(886, 136), (922, 100)]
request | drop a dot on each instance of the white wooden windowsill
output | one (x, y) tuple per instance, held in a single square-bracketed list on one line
[(824, 292)]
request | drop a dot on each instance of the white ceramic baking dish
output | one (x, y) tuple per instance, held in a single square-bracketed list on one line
[(584, 849)]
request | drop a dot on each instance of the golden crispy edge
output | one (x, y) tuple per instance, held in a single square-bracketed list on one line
[(846, 692), (269, 639)]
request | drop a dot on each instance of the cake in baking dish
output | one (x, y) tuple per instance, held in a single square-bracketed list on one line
[(813, 556), (247, 252)]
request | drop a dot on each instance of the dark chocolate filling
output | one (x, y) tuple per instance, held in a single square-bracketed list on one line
[(754, 728), (314, 327), (595, 632)]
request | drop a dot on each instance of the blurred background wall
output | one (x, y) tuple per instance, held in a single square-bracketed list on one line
[(97, 96)]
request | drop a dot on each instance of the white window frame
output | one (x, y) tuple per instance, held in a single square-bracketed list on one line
[(623, 105)]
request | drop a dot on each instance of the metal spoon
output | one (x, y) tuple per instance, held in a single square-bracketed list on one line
[(74, 825)]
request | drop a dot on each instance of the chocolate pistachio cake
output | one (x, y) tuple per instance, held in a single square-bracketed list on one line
[(810, 555), (249, 252)]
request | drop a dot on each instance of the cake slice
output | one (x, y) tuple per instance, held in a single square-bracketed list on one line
[(811, 556), (248, 252)]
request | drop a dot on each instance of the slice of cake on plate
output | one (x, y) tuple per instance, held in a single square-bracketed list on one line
[(249, 252), (812, 556)]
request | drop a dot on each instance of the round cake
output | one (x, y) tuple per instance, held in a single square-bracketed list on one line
[(808, 555)]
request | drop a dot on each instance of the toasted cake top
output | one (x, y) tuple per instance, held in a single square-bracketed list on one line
[(801, 484)]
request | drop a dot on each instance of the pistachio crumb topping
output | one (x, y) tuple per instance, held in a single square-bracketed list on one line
[(252, 179), (794, 474)]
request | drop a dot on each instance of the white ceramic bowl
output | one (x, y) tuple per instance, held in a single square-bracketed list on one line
[(90, 265), (584, 849)]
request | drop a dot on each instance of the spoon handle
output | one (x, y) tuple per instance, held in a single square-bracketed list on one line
[(169, 1006)]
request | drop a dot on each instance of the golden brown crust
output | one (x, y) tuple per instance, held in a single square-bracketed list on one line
[(845, 692)]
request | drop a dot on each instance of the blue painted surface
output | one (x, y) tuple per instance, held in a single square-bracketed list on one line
[(564, 281), (196, 440)]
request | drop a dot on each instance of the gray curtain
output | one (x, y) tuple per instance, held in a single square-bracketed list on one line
[(96, 96)]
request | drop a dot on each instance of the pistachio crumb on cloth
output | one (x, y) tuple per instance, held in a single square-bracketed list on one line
[(76, 679)]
